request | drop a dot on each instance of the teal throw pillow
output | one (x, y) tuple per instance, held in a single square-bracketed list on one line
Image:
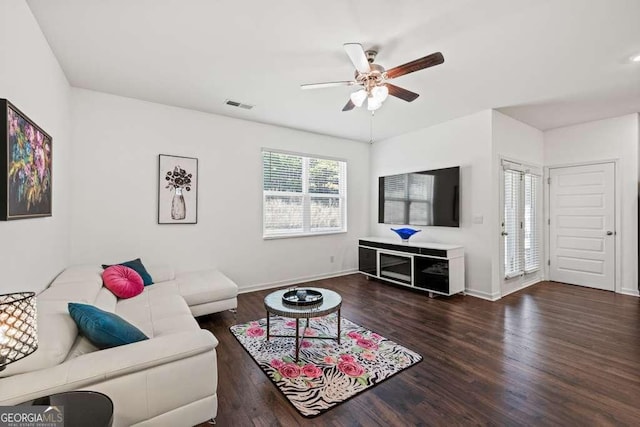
[(137, 266), (104, 329)]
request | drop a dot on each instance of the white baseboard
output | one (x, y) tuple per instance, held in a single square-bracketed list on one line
[(282, 283), (632, 292), (483, 295)]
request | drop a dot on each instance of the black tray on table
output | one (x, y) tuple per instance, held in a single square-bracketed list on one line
[(312, 298)]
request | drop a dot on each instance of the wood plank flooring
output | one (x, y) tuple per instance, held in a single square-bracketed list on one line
[(552, 354)]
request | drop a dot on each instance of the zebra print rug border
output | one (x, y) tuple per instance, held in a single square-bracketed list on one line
[(327, 374)]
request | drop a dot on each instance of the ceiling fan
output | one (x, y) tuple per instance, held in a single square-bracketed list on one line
[(373, 78)]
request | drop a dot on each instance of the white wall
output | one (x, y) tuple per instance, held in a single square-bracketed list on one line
[(111, 171), (518, 142), (115, 166), (464, 142), (34, 251), (608, 139), (515, 140)]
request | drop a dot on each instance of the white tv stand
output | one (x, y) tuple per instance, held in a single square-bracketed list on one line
[(432, 267)]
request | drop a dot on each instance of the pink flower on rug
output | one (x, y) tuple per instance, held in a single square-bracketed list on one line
[(255, 331), (289, 370), (277, 364), (329, 360), (306, 344), (347, 358), (351, 368), (310, 332), (367, 344), (311, 371), (354, 335), (290, 323), (367, 355), (376, 336)]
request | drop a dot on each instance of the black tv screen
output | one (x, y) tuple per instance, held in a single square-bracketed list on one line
[(420, 198)]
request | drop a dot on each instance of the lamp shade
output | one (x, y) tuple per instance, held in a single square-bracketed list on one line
[(373, 104), (18, 327), (380, 93), (358, 97)]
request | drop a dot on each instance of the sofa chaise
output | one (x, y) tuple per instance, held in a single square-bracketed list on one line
[(168, 380)]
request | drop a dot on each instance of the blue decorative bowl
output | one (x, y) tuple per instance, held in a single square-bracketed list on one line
[(405, 233)]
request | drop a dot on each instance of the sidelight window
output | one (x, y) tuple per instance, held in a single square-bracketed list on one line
[(521, 224)]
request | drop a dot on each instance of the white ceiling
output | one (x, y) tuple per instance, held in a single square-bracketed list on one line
[(549, 63)]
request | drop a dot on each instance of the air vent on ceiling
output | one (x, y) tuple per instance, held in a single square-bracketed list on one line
[(238, 104)]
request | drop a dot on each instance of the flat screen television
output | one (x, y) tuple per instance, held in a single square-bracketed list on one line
[(429, 197)]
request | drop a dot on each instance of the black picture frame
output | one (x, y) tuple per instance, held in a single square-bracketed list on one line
[(177, 189), (26, 166)]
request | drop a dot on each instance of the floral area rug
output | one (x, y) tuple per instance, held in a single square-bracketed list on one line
[(327, 374)]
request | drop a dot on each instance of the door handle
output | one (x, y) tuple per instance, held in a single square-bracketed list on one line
[(609, 233), (504, 233)]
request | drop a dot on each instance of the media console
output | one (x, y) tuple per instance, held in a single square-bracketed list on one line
[(432, 267)]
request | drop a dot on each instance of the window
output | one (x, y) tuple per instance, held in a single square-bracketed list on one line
[(521, 223), (303, 195), (511, 224)]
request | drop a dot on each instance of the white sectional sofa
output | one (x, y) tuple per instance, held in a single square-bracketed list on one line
[(168, 380)]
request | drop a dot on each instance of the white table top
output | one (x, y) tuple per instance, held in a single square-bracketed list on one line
[(331, 302), (412, 243)]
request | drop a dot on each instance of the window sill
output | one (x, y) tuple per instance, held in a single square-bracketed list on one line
[(288, 236), (521, 274)]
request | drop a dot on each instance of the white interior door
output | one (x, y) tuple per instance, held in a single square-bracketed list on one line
[(582, 228)]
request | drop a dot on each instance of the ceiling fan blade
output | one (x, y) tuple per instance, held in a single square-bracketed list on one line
[(349, 106), (357, 57), (416, 65), (327, 84), (401, 93)]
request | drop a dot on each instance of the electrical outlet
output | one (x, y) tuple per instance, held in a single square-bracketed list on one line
[(331, 258)]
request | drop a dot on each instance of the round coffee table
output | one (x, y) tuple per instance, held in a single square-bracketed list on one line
[(331, 303)]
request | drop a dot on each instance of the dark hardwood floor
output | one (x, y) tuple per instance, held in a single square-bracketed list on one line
[(552, 354)]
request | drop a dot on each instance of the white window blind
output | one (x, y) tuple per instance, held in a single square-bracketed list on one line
[(531, 241), (303, 195), (521, 226), (512, 258)]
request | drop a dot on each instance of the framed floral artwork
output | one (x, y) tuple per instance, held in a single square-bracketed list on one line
[(177, 190), (26, 165)]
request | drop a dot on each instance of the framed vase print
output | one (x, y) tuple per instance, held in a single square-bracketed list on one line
[(26, 166), (177, 190)]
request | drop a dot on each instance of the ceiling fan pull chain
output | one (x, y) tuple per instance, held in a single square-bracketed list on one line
[(373, 113)]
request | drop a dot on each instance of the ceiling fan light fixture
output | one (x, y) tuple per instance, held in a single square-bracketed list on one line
[(358, 97), (373, 104), (380, 93)]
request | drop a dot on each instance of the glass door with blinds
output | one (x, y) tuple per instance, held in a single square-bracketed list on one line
[(521, 220)]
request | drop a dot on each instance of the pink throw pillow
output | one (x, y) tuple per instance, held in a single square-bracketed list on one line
[(123, 281)]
